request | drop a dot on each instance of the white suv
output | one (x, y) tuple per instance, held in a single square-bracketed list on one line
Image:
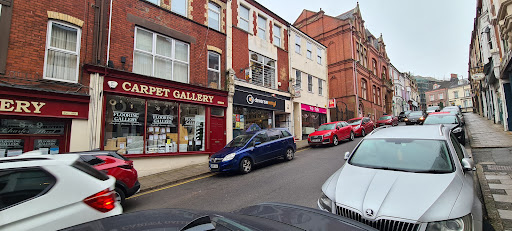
[(51, 192)]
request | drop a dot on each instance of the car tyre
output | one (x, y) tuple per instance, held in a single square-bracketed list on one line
[(363, 133), (351, 136), (289, 155), (120, 196), (245, 165), (335, 141)]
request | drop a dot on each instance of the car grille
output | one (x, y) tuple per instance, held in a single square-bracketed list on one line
[(215, 160), (381, 224)]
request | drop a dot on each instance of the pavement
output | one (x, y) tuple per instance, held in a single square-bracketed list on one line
[(182, 175), (491, 148)]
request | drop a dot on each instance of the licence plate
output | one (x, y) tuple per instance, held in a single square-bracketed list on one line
[(214, 166), (315, 140)]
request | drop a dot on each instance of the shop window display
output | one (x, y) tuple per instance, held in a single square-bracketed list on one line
[(124, 124), (191, 128), (162, 130), (244, 118)]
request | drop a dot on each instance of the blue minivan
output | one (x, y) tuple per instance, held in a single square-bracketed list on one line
[(252, 148)]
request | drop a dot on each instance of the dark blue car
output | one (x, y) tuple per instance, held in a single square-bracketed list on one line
[(251, 148)]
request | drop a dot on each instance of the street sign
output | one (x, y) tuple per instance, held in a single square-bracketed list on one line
[(332, 103)]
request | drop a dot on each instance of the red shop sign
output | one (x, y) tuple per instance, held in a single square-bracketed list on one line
[(43, 107), (141, 89)]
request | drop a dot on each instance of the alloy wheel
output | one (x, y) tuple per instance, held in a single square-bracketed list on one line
[(335, 140), (363, 133), (351, 136), (246, 165), (289, 154)]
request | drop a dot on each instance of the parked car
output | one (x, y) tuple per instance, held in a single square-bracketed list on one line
[(455, 110), (406, 178), (118, 166), (451, 121), (403, 115), (433, 109), (415, 117), (264, 216), (361, 125), (252, 148), (331, 133), (51, 192), (387, 120)]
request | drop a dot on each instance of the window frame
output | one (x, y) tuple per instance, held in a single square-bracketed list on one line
[(298, 78), (260, 29), (310, 83), (374, 89), (320, 86), (186, 8), (298, 42), (153, 53), (374, 66), (441, 95), (275, 36), (309, 50), (219, 13), (248, 19), (456, 94), (213, 70), (432, 97), (47, 48), (364, 88), (319, 55)]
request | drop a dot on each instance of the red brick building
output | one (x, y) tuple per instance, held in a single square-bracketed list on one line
[(357, 63), (259, 66), (44, 101)]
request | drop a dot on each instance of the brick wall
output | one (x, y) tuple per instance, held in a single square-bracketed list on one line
[(27, 41), (123, 32)]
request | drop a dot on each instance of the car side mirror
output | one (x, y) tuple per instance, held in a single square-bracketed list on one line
[(337, 128), (347, 155), (467, 164)]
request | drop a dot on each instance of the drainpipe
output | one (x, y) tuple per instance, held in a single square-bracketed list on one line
[(355, 70), (109, 32)]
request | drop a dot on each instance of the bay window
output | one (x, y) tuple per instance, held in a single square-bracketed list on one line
[(160, 56)]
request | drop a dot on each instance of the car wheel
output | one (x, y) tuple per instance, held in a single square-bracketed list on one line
[(335, 141), (120, 197), (363, 133), (351, 136), (289, 154), (245, 165)]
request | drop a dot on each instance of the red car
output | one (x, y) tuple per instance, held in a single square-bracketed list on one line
[(118, 166), (331, 133), (387, 120), (361, 125)]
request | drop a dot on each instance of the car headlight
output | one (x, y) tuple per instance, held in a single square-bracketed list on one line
[(327, 134), (228, 157), (406, 119), (325, 203), (459, 224), (421, 118), (457, 130)]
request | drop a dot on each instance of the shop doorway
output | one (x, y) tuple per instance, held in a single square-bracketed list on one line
[(217, 133)]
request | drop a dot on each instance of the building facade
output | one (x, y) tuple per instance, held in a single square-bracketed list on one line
[(309, 83), (258, 62), (357, 63), (44, 98), (437, 97), (460, 96)]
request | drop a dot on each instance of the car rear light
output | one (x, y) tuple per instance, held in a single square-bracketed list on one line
[(126, 166), (103, 201)]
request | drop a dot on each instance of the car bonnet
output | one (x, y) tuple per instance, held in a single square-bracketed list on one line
[(412, 196)]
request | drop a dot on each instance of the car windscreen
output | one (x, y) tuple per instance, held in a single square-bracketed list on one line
[(385, 118), (416, 113), (409, 155), (239, 141), (441, 119), (354, 122), (326, 127)]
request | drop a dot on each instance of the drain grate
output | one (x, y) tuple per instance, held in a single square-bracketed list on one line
[(499, 168)]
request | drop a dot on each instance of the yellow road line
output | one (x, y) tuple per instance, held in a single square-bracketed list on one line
[(170, 186), (303, 149)]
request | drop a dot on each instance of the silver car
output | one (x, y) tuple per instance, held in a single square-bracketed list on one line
[(406, 178)]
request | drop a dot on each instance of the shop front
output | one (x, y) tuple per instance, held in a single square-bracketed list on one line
[(254, 109), (36, 120), (312, 118), (144, 119)]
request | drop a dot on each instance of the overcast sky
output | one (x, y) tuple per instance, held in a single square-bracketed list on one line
[(425, 37)]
